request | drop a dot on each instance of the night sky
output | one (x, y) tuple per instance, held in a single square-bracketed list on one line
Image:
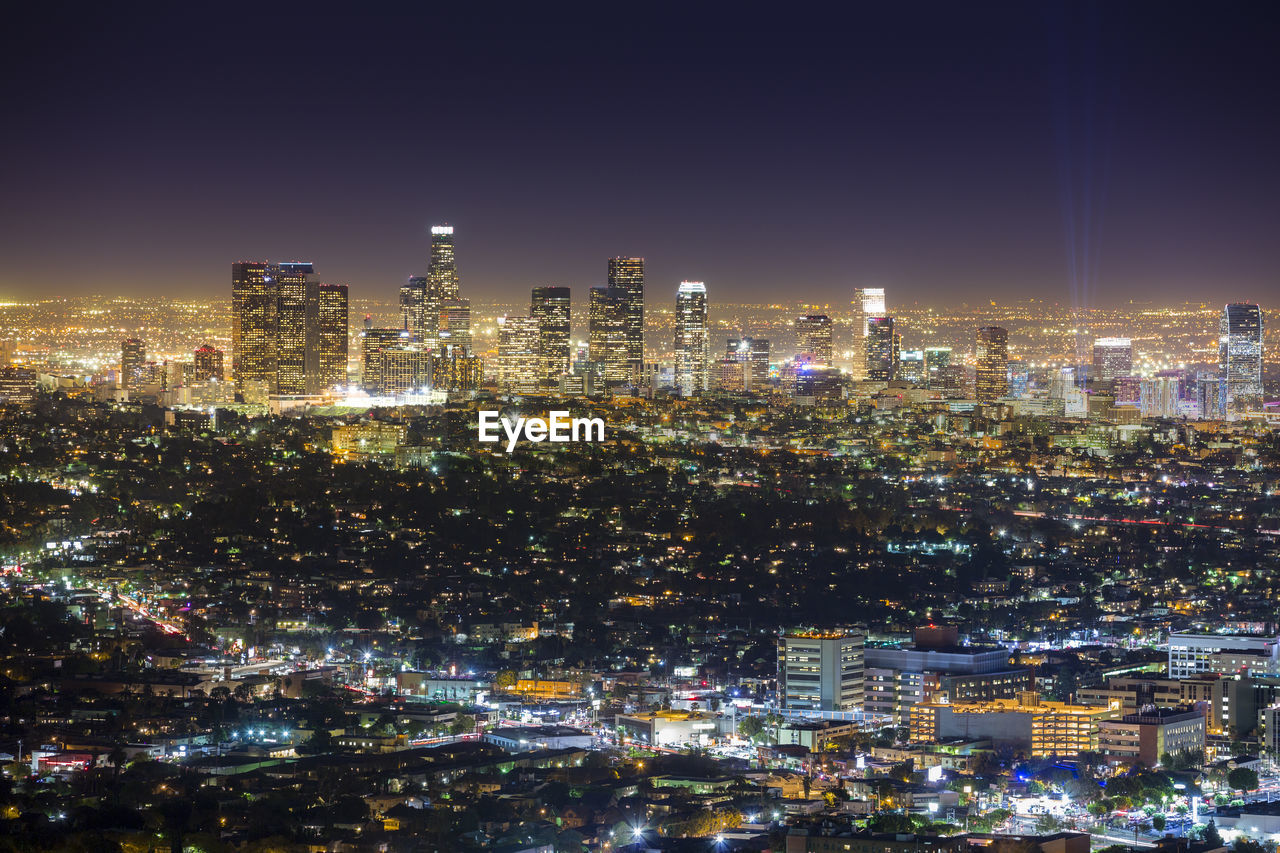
[(949, 152)]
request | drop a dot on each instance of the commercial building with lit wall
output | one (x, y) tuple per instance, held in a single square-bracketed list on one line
[(1196, 654), (1151, 734), (820, 671), (1039, 727)]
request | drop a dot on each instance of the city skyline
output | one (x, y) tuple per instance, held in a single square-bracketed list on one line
[(628, 429), (1079, 163)]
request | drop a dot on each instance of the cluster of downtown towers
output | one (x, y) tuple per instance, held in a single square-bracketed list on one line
[(289, 332), (290, 338)]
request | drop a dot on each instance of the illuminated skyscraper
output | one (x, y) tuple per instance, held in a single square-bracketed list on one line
[(373, 344), (626, 279), (1240, 359), (813, 332), (821, 671), (881, 363), (992, 355), (936, 359), (413, 303), (692, 338), (253, 327), (1112, 359), (331, 339), (753, 355), (607, 345), (911, 366), (442, 274), (455, 372), (868, 302), (519, 354), (455, 327), (405, 368), (550, 307), (296, 303), (133, 355), (207, 364)]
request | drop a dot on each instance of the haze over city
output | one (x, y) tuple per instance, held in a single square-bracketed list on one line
[(1084, 154)]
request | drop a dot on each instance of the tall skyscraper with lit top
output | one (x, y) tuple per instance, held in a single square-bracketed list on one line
[(868, 302), (692, 338), (442, 274), (1240, 359), (426, 304)]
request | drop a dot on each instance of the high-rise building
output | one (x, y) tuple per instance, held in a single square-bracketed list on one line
[(868, 302), (253, 327), (692, 338), (295, 306), (550, 307), (330, 350), (881, 362), (607, 346), (207, 364), (442, 273), (753, 355), (18, 386), (992, 356), (911, 366), (288, 331), (813, 332), (1240, 359), (519, 354), (439, 291), (820, 671), (373, 344), (1112, 359), (455, 327), (456, 372), (626, 279), (133, 355), (413, 306), (935, 360), (405, 368)]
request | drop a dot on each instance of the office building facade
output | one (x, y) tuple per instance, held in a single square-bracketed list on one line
[(692, 338)]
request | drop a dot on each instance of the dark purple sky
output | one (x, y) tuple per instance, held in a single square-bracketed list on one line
[(949, 152)]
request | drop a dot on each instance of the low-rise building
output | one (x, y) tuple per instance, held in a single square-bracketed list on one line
[(1042, 728), (1151, 734)]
